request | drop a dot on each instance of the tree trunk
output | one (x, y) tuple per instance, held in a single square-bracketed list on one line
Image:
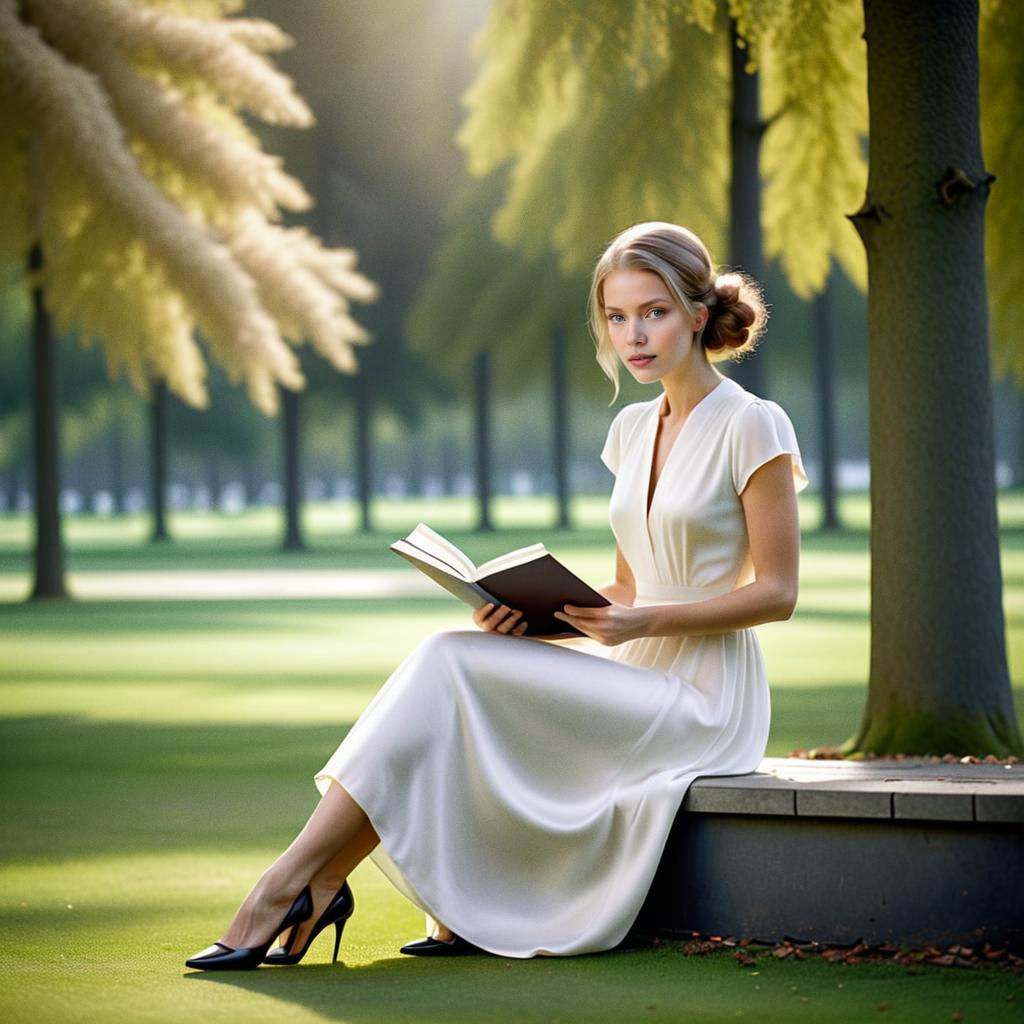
[(939, 680), (560, 426), (482, 437), (158, 449), (117, 487), (214, 482), (291, 448), (416, 466), (824, 346), (745, 246), (364, 437), (449, 462), (11, 487), (49, 549), (250, 481)]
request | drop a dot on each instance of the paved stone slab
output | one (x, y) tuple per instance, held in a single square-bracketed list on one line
[(921, 805), (910, 790), (1008, 807), (738, 800)]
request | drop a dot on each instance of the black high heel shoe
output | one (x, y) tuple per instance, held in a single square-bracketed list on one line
[(457, 946), (220, 957), (337, 912)]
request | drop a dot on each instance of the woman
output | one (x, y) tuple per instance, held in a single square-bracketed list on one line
[(521, 791)]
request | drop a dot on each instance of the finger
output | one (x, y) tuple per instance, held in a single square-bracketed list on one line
[(581, 612), (510, 622), (520, 629), (481, 613), (494, 618)]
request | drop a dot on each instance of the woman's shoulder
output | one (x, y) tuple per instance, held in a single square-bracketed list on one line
[(746, 408), (634, 413)]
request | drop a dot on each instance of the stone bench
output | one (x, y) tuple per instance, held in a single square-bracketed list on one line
[(906, 852)]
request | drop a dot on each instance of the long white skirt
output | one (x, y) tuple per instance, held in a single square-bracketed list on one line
[(523, 792)]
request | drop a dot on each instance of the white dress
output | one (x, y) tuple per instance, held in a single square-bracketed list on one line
[(523, 790)]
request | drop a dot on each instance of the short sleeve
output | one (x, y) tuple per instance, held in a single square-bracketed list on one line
[(763, 432), (611, 454)]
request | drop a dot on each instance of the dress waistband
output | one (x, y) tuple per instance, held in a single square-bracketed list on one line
[(667, 593)]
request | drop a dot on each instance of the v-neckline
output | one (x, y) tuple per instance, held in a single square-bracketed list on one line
[(651, 492)]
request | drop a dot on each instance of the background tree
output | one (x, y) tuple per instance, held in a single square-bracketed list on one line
[(582, 124), (382, 164), (521, 324), (127, 168), (567, 90), (939, 677)]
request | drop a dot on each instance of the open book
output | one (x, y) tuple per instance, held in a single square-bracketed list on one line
[(529, 579)]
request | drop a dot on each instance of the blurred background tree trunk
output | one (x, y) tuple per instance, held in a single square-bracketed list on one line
[(291, 451), (482, 437), (158, 465), (746, 247), (49, 549), (824, 364)]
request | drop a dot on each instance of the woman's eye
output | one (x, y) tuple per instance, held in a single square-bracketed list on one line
[(616, 318), (657, 313)]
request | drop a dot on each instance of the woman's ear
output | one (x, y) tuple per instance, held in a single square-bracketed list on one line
[(700, 318)]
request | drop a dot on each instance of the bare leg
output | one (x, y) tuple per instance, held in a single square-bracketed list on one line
[(442, 932), (335, 825), (326, 883)]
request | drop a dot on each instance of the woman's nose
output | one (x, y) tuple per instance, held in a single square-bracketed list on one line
[(635, 334)]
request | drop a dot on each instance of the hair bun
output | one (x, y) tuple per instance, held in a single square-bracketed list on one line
[(737, 315), (727, 289)]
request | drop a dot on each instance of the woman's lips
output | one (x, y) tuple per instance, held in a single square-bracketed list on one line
[(640, 360)]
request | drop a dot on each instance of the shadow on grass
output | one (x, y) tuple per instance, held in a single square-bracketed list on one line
[(650, 984), (79, 787), (605, 987)]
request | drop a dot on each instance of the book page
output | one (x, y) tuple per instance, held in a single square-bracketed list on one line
[(428, 542), (508, 561)]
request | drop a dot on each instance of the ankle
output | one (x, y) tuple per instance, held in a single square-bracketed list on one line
[(277, 887)]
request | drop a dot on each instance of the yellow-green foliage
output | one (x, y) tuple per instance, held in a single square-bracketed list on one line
[(125, 156), (616, 113), (1002, 111), (814, 72), (610, 114), (483, 295)]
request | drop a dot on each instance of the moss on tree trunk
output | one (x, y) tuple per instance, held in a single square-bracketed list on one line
[(939, 681)]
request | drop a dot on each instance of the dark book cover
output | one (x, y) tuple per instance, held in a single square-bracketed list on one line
[(540, 588)]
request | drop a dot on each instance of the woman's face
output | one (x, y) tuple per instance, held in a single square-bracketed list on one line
[(652, 334)]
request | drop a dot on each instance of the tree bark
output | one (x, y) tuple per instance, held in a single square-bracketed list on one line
[(482, 437), (824, 346), (117, 487), (158, 451), (291, 458), (364, 469), (49, 548), (746, 251), (560, 427), (939, 681)]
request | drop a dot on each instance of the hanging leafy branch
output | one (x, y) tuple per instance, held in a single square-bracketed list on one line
[(125, 154)]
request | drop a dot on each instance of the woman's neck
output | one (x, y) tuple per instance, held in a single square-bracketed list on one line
[(682, 393)]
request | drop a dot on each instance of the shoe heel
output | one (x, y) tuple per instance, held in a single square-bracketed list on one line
[(339, 927)]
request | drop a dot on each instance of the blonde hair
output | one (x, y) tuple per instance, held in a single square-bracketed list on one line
[(736, 308)]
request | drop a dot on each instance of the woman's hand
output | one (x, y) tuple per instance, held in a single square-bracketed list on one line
[(610, 625), (499, 620)]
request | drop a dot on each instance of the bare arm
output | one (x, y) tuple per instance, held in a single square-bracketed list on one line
[(773, 529), (622, 590)]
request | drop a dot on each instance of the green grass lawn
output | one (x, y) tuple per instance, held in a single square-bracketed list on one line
[(157, 754)]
